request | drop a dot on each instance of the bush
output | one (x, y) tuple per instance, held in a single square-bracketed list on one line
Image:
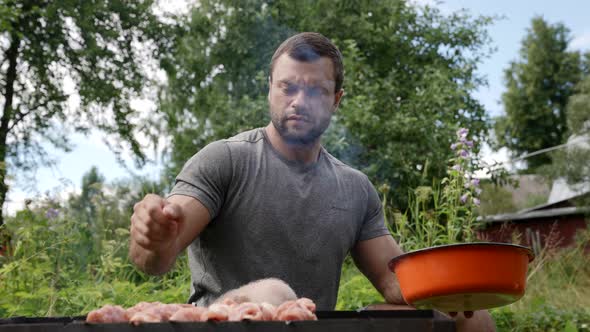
[(66, 261)]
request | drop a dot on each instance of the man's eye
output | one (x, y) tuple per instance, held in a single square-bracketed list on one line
[(290, 89), (314, 92)]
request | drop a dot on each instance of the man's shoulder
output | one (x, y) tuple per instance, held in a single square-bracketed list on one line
[(224, 148), (251, 136), (344, 169)]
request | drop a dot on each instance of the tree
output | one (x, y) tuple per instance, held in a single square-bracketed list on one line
[(538, 87), (92, 189), (99, 46), (578, 112), (573, 163), (409, 76)]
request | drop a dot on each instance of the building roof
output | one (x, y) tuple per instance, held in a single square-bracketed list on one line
[(538, 213), (562, 191)]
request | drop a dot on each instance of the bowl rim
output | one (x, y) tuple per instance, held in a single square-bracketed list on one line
[(397, 259)]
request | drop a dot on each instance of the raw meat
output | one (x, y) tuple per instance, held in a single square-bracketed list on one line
[(245, 311), (108, 314), (189, 314), (156, 313), (217, 312), (225, 310), (301, 309)]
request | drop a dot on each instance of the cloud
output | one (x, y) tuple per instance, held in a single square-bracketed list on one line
[(15, 201), (16, 197), (581, 42), (495, 160), (438, 4), (431, 3)]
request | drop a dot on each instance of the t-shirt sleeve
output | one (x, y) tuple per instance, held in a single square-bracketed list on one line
[(374, 222), (206, 176)]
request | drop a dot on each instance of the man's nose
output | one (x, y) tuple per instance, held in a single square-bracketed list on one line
[(300, 99)]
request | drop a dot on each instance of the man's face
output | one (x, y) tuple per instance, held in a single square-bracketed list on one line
[(302, 98)]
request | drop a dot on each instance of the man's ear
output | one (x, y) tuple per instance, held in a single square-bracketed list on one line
[(337, 98)]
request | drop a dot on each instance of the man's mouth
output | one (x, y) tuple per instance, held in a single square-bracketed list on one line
[(298, 118)]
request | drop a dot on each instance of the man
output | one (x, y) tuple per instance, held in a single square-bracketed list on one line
[(271, 202)]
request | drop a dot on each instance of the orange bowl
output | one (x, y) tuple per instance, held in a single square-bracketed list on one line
[(463, 277)]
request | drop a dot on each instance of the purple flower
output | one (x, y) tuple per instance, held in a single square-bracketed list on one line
[(51, 213), (457, 167), (463, 153), (476, 201), (462, 132), (469, 143), (454, 146), (475, 182), (464, 198)]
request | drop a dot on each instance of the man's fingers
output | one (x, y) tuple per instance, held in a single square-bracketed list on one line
[(138, 226), (155, 213), (150, 220), (467, 314), (154, 221), (141, 239), (172, 211)]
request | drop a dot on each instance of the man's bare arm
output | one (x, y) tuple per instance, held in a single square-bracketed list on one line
[(372, 258), (162, 228)]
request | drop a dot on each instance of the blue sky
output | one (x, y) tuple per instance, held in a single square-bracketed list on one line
[(506, 35)]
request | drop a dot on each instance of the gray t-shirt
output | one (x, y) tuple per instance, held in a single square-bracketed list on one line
[(272, 217)]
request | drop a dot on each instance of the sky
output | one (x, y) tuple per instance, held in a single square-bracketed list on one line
[(65, 177)]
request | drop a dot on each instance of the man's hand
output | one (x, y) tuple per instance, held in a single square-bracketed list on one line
[(162, 228), (155, 224), (467, 314), (372, 258)]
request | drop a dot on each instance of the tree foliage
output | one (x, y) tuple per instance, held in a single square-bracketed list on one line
[(538, 87), (573, 163), (409, 74), (577, 167), (99, 47)]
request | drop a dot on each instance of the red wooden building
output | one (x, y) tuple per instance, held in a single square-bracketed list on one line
[(556, 224)]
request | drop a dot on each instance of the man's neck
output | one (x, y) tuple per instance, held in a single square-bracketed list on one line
[(306, 154)]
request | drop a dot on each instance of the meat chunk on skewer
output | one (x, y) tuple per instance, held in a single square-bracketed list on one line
[(268, 310), (189, 314), (108, 314), (141, 306), (301, 309), (245, 311), (157, 313), (225, 310), (306, 303), (217, 312)]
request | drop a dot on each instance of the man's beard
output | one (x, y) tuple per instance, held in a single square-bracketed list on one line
[(307, 137)]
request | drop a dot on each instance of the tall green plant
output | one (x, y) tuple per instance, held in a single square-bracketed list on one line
[(445, 212)]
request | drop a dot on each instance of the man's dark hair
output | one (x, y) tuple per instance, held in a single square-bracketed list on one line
[(310, 46)]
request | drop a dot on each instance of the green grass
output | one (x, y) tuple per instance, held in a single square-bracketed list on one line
[(557, 297)]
